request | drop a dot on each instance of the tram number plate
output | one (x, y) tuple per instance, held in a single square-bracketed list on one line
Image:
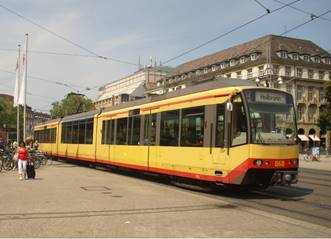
[(279, 163)]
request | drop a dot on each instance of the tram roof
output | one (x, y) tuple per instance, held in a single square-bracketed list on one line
[(210, 85)]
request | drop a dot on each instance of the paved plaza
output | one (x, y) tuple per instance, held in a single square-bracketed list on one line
[(66, 200)]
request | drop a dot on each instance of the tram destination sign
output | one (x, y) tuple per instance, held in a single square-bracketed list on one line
[(270, 97)]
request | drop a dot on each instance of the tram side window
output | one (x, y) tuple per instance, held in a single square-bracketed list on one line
[(53, 135), (134, 130), (169, 128), (89, 131), (239, 128), (150, 129), (108, 129), (121, 133), (220, 125), (82, 127), (192, 127), (69, 133), (75, 133)]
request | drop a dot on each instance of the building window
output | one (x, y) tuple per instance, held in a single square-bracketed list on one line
[(300, 112), (228, 75), (306, 57), (299, 92), (311, 113), (310, 74), (253, 57), (213, 68), (310, 93), (275, 69), (242, 60), (295, 56), (250, 73), (299, 72), (317, 59), (287, 70), (289, 88), (238, 74), (192, 127), (205, 70), (222, 65), (261, 70), (169, 128), (220, 126), (233, 62), (283, 54), (321, 94), (327, 60), (321, 75)]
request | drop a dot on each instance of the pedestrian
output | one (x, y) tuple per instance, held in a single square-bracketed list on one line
[(22, 160), (36, 145)]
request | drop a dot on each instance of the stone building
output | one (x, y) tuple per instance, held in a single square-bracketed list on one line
[(130, 87), (297, 66)]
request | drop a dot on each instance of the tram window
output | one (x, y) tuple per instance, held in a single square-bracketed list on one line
[(111, 132), (239, 129), (89, 131), (150, 129), (42, 136), (169, 128), (121, 132), (75, 133), (53, 135), (134, 130), (69, 133), (82, 126), (104, 132), (192, 127), (220, 123)]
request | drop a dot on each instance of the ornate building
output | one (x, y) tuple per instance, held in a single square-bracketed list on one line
[(130, 87), (297, 66)]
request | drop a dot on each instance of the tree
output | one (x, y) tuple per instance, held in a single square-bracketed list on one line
[(325, 114), (7, 114), (73, 103)]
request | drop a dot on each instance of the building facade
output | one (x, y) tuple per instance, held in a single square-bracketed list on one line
[(32, 118), (297, 66), (131, 87)]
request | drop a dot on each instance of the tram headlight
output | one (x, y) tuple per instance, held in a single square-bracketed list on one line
[(258, 162)]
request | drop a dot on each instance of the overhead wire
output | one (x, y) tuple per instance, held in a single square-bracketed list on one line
[(64, 38), (229, 32), (303, 11), (304, 23)]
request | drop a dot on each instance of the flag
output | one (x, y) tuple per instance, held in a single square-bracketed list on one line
[(17, 81), (21, 99)]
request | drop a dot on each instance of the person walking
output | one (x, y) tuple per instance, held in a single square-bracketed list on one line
[(22, 160)]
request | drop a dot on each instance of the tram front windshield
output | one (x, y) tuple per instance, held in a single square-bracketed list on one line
[(272, 117)]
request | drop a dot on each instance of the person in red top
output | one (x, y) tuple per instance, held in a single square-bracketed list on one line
[(22, 159)]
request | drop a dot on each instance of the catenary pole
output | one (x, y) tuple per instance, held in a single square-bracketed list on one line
[(18, 90), (25, 79)]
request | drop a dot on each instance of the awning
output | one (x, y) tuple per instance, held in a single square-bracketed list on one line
[(303, 137), (314, 138)]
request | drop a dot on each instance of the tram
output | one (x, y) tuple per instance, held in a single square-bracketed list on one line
[(224, 131)]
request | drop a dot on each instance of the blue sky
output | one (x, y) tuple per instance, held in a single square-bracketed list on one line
[(127, 29)]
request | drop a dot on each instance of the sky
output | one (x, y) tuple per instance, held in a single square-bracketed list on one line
[(129, 29)]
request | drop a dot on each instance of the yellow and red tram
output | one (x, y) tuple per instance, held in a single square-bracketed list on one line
[(220, 131)]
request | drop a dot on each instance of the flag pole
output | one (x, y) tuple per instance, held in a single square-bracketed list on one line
[(25, 79), (18, 90)]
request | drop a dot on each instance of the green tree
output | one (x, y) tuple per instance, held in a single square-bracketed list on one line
[(7, 114), (73, 103), (325, 115)]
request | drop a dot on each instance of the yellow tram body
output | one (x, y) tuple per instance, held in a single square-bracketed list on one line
[(247, 163)]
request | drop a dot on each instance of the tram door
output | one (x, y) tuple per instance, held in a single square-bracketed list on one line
[(149, 136), (236, 137)]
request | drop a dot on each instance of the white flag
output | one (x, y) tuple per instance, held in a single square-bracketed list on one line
[(21, 99), (17, 82)]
